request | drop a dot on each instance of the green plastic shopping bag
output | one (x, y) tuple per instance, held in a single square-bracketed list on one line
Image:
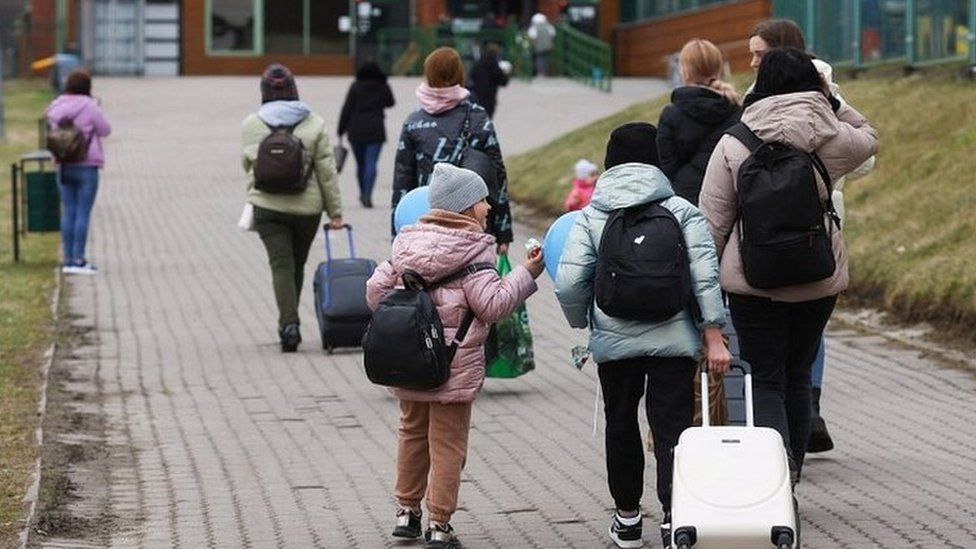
[(509, 346)]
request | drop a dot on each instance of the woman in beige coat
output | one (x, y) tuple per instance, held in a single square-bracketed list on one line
[(779, 329)]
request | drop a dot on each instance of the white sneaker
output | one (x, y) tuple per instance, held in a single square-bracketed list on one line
[(85, 268), (69, 269)]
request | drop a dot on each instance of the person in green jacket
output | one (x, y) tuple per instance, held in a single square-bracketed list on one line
[(287, 223)]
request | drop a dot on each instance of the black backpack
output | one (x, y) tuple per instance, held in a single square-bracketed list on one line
[(642, 267), (784, 226), (67, 142), (404, 343), (282, 165)]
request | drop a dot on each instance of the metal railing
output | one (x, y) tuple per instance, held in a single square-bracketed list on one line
[(402, 51), (584, 58), (864, 33)]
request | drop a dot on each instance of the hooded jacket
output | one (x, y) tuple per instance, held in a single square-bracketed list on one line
[(362, 114), (580, 195), (805, 121), (427, 139), (87, 116), (486, 77), (322, 193), (441, 244), (687, 132), (611, 338), (542, 34)]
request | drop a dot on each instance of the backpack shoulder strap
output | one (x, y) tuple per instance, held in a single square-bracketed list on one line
[(468, 319), (745, 136), (821, 168), (461, 273)]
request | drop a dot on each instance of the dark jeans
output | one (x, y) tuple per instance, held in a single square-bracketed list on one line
[(78, 186), (670, 405), (287, 238), (367, 155), (780, 340)]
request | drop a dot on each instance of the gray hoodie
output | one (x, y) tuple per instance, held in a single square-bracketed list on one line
[(616, 338)]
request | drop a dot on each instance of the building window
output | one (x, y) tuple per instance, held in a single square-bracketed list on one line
[(324, 27), (284, 26), (231, 26), (279, 27)]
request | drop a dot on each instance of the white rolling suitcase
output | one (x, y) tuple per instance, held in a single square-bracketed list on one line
[(731, 487)]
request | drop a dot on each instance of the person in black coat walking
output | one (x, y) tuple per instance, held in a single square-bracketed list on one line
[(699, 113), (486, 77), (362, 118)]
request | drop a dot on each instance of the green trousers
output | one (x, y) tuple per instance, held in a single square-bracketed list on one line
[(287, 238)]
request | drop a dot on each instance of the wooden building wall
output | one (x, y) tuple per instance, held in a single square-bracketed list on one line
[(429, 12), (195, 60), (40, 42), (641, 49)]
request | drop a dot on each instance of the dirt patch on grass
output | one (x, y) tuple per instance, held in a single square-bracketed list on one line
[(75, 459)]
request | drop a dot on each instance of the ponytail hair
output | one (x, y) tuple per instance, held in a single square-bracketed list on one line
[(702, 64)]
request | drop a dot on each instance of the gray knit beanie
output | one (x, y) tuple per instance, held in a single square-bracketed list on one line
[(455, 189)]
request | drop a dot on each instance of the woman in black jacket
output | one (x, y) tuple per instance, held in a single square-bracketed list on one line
[(362, 118), (486, 77), (699, 113), (436, 132)]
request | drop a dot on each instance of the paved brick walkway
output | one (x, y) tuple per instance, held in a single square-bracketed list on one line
[(218, 440)]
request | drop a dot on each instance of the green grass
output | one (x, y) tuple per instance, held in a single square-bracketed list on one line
[(26, 322), (911, 227)]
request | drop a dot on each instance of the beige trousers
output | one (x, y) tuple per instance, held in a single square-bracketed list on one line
[(432, 445)]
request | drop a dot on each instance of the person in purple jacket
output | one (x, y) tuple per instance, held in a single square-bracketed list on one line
[(78, 181)]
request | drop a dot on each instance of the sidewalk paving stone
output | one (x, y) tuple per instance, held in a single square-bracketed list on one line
[(219, 440)]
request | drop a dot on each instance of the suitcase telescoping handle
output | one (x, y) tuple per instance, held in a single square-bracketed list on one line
[(740, 365), (328, 242)]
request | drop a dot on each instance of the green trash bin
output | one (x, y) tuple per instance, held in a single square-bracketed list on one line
[(43, 202)]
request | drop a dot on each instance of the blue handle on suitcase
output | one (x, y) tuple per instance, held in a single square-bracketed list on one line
[(328, 242)]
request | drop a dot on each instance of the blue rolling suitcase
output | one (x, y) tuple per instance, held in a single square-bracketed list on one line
[(340, 296)]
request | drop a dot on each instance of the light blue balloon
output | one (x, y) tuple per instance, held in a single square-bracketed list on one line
[(411, 208), (556, 240)]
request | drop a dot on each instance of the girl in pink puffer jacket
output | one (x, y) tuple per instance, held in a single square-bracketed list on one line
[(432, 437)]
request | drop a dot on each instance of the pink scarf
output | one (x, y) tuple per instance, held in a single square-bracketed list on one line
[(438, 100)]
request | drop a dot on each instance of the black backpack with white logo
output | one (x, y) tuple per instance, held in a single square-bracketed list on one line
[(282, 165), (404, 344), (784, 226), (642, 268)]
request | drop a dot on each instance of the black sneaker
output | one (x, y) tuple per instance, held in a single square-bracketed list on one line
[(407, 524), (666, 530), (290, 337), (441, 536), (626, 536)]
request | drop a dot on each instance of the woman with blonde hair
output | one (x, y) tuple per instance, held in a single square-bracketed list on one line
[(699, 113), (446, 124)]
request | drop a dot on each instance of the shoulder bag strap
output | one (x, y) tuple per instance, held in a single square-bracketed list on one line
[(464, 134)]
